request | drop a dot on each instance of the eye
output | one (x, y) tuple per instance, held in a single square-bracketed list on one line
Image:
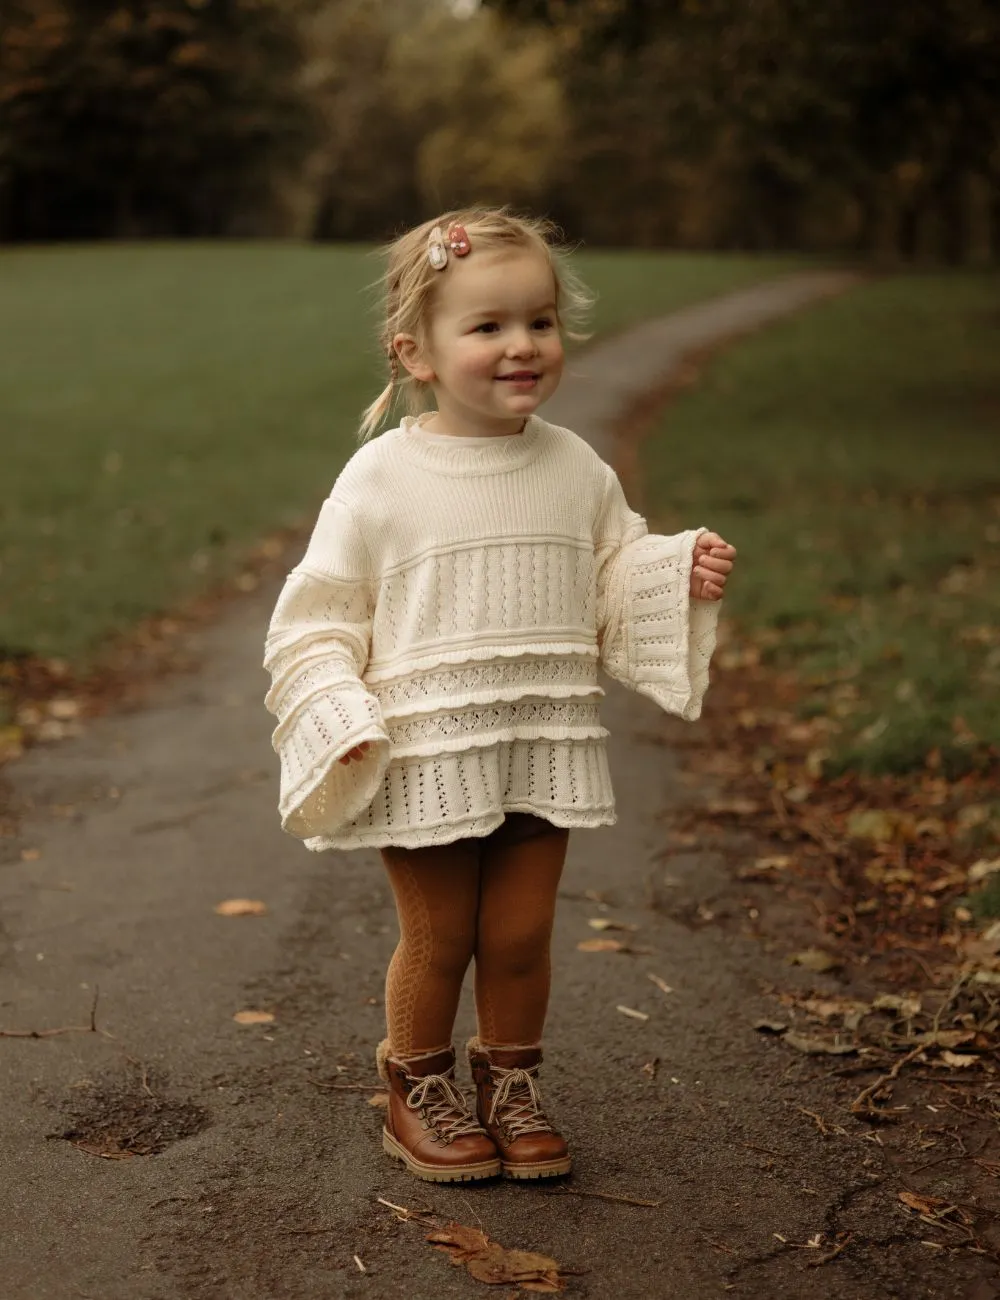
[(488, 327), (543, 323)]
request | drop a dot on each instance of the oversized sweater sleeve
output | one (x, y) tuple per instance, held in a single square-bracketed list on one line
[(316, 652), (653, 637)]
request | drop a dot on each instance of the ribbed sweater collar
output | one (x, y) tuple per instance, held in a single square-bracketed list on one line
[(488, 456)]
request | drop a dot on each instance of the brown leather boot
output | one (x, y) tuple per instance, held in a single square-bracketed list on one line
[(510, 1110), (429, 1125)]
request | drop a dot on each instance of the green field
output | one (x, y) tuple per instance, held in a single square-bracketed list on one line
[(852, 454), (164, 406)]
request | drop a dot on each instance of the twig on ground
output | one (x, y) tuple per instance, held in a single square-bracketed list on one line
[(830, 1254), (603, 1196), (343, 1087), (952, 995), (861, 1105), (718, 1245), (943, 1160), (765, 1150), (65, 1029), (819, 1121), (404, 1215)]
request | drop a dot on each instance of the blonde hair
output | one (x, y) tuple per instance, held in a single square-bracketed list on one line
[(409, 282)]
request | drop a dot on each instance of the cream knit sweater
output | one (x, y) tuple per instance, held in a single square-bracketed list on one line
[(452, 609)]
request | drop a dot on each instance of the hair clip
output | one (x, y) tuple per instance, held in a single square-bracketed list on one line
[(437, 254), (458, 241)]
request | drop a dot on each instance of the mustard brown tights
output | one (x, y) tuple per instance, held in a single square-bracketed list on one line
[(492, 899)]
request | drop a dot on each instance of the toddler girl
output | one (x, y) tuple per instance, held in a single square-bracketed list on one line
[(434, 661)]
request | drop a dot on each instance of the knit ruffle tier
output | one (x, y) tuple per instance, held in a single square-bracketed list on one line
[(470, 665)]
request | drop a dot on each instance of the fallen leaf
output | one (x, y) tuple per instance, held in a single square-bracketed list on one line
[(814, 959), (379, 1099), (630, 1011), (253, 1017), (602, 923), (30, 855), (958, 1061), (922, 1204), (983, 868), (770, 1026), (906, 1008), (945, 1038), (489, 1262), (777, 863), (879, 825), (661, 984), (818, 1046), (241, 907), (602, 945), (651, 1067), (828, 1008)]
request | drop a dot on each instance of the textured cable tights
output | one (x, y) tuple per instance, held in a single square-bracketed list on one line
[(489, 899)]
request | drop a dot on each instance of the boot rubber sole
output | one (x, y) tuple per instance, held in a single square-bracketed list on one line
[(439, 1173), (543, 1169)]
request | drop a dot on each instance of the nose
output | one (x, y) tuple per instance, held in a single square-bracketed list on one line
[(522, 344)]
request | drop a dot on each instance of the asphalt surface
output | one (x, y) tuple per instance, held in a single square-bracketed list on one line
[(262, 1182)]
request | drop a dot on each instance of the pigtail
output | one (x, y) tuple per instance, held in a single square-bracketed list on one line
[(373, 415)]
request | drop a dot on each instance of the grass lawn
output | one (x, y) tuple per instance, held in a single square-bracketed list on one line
[(165, 406), (852, 454)]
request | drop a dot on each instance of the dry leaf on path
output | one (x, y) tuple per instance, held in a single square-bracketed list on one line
[(905, 1007), (241, 907), (826, 1008), (958, 1061), (379, 1099), (603, 945), (631, 1011), (254, 1017), (930, 1205), (494, 1264), (770, 1026), (602, 923), (814, 959), (983, 868)]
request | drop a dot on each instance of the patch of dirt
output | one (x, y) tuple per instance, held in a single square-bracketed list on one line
[(132, 1114)]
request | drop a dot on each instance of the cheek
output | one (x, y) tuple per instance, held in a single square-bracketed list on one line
[(474, 359)]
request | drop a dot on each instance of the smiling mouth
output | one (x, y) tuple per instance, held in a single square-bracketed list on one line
[(520, 377)]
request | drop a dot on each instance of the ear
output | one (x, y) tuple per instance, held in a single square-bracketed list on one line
[(411, 354)]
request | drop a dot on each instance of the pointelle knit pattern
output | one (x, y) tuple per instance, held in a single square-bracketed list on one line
[(452, 609)]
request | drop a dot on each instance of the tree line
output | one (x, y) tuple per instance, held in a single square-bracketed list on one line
[(760, 124)]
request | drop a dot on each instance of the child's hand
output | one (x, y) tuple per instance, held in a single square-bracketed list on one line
[(358, 751), (713, 563)]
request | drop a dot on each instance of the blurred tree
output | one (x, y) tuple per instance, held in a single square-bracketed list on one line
[(818, 121), (146, 116), (424, 110)]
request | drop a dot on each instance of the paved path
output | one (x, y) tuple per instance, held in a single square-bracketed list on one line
[(136, 830)]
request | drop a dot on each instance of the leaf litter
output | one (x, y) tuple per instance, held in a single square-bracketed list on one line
[(485, 1259)]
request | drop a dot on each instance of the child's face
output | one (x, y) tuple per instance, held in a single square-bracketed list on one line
[(494, 350)]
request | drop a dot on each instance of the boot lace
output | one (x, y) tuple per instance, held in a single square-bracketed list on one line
[(444, 1107), (518, 1103)]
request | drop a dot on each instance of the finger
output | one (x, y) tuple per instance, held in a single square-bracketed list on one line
[(711, 565), (725, 551)]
